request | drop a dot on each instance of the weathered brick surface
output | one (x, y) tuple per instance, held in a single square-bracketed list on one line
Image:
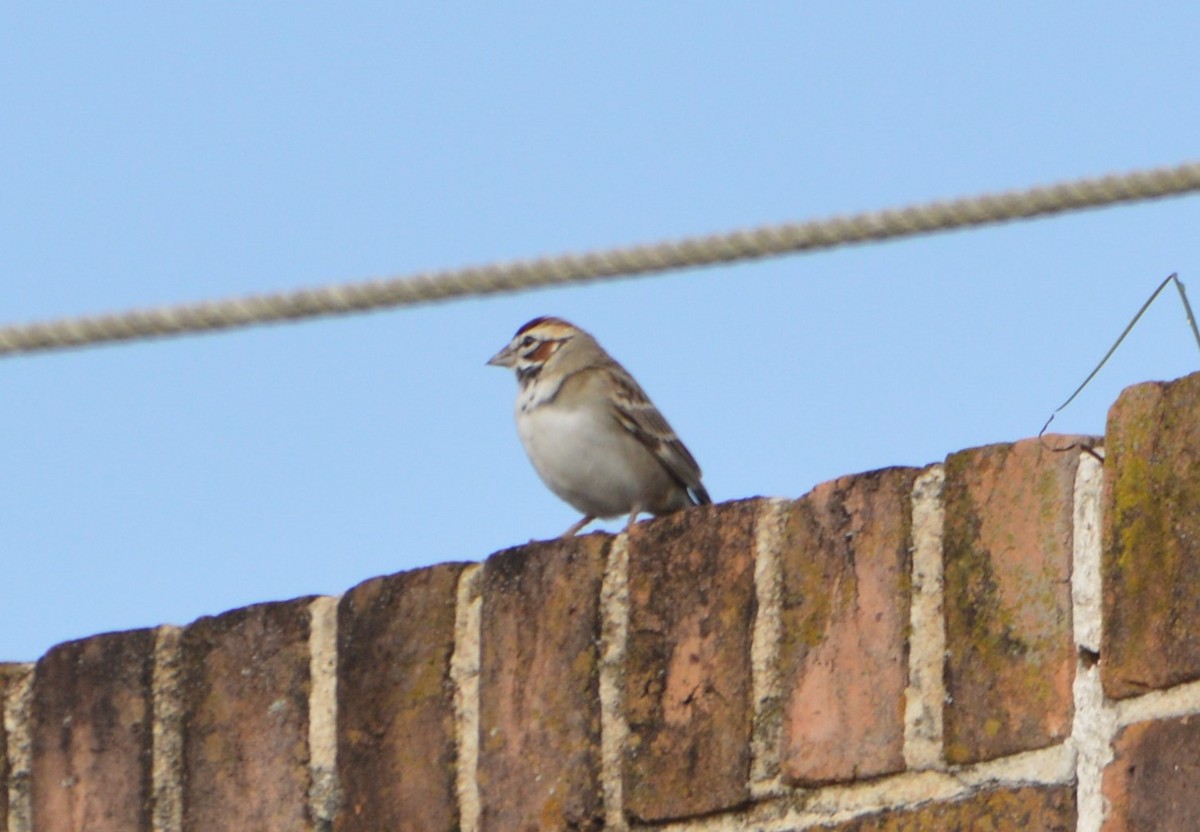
[(6, 670), (1029, 809), (1008, 551), (245, 692), (846, 588), (1151, 782), (396, 739), (686, 689), (1151, 559), (539, 754), (92, 734), (687, 682)]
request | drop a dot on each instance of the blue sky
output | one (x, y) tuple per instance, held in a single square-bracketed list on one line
[(156, 153)]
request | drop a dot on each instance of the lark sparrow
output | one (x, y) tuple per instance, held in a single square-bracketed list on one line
[(595, 438)]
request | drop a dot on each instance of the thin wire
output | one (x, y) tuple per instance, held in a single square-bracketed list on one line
[(1171, 278), (764, 241), (1187, 308)]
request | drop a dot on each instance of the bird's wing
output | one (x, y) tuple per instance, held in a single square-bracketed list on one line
[(638, 415)]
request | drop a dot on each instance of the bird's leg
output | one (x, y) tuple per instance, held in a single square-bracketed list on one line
[(574, 530), (632, 518)]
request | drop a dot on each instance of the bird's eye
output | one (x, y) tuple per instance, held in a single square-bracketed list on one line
[(527, 341)]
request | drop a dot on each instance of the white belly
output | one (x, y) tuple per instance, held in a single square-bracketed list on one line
[(587, 461)]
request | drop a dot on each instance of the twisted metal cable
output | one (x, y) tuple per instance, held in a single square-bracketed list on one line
[(688, 252)]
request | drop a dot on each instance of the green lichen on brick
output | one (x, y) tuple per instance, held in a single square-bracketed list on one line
[(969, 573), (1136, 521), (806, 603), (1007, 555), (1151, 558), (845, 565), (820, 577)]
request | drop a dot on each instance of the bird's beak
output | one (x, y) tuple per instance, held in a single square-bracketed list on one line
[(505, 358)]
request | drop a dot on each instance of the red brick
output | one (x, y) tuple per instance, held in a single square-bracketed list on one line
[(6, 671), (1008, 552), (1151, 782), (1029, 809), (396, 740), (245, 698), (92, 734), (1151, 554), (845, 615), (687, 678), (539, 750)]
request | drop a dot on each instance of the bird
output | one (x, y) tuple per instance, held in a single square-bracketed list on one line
[(591, 432)]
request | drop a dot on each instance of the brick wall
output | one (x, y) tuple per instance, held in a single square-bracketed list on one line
[(1009, 640)]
